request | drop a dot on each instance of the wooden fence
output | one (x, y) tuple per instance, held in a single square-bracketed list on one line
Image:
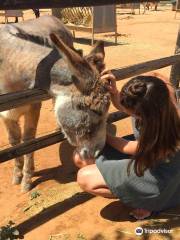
[(13, 100)]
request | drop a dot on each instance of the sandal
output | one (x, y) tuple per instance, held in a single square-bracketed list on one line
[(140, 214)]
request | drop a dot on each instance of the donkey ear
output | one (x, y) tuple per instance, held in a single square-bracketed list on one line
[(96, 56), (81, 71)]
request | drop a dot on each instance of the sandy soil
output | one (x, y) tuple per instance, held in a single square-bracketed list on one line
[(56, 208)]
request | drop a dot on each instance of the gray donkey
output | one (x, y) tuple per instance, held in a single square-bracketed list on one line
[(40, 53)]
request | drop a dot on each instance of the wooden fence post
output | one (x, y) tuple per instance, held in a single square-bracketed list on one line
[(175, 70)]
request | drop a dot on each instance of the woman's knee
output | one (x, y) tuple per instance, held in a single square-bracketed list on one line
[(84, 177)]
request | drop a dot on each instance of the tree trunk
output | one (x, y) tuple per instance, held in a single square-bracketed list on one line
[(177, 4)]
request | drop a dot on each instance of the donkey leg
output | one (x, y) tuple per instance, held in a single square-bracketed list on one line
[(14, 135), (30, 127), (155, 6)]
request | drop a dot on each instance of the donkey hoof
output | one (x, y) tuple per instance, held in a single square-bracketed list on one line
[(16, 180), (25, 187)]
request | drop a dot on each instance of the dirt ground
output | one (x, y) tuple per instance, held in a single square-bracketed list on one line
[(56, 208)]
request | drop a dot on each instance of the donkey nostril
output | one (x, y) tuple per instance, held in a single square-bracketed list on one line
[(84, 153)]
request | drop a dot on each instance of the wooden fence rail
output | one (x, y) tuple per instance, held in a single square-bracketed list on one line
[(20, 98), (13, 100)]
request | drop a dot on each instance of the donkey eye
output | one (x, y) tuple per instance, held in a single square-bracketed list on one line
[(97, 61), (74, 79)]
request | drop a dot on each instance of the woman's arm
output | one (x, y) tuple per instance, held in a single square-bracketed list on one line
[(122, 145), (116, 101)]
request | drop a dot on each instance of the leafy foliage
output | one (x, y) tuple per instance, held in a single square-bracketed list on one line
[(9, 232)]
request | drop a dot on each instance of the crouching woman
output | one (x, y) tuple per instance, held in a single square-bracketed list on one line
[(144, 173)]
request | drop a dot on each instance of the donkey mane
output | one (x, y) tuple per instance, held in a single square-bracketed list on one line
[(40, 40), (37, 39)]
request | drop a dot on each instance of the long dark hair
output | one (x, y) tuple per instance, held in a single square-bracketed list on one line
[(148, 98)]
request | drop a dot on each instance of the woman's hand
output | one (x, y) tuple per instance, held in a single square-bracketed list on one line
[(79, 162), (111, 86)]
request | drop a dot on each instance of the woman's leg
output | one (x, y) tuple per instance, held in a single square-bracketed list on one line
[(140, 213), (90, 180), (89, 177)]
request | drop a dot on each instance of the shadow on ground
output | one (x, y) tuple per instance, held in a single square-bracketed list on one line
[(88, 41), (168, 220), (53, 211), (64, 173)]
